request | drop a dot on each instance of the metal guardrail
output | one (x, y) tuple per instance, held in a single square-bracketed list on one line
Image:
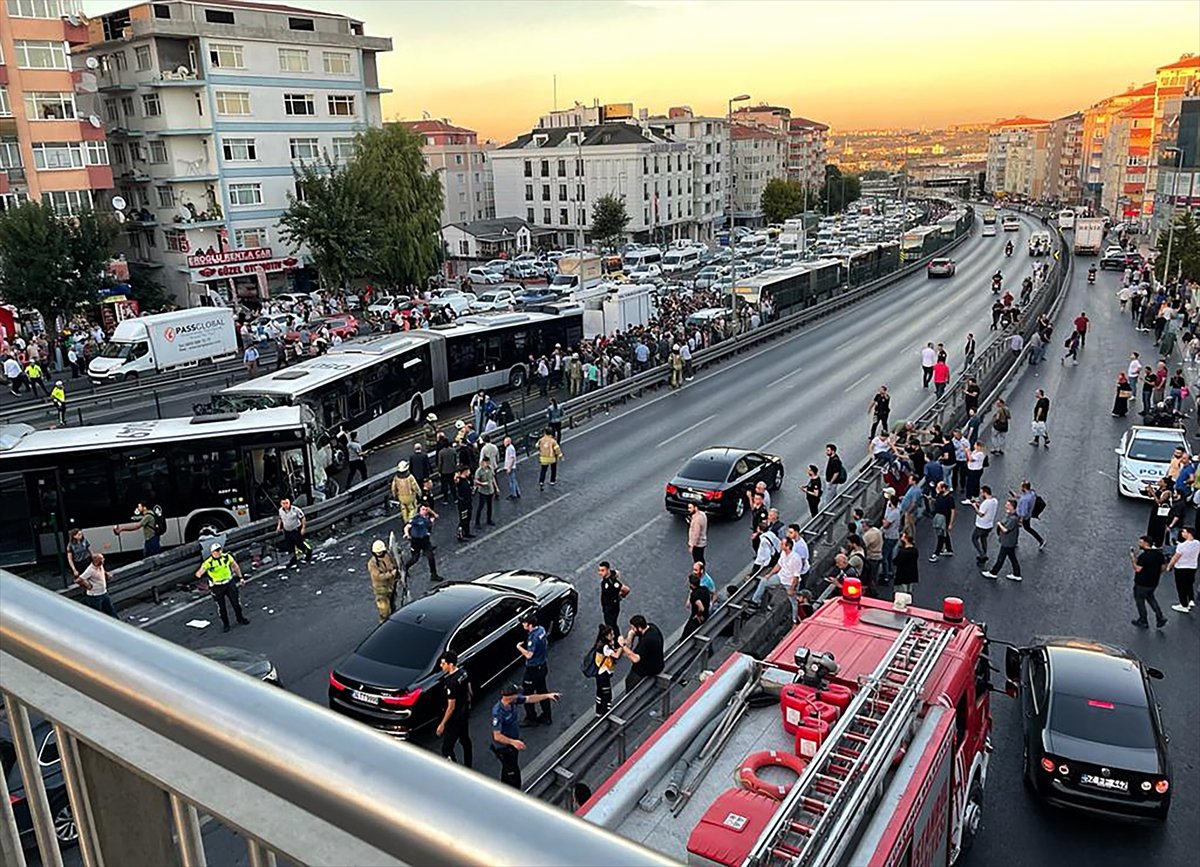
[(177, 566), (152, 737), (590, 747)]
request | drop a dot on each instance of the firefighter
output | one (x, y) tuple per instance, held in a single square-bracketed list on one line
[(58, 396), (405, 490), (383, 570)]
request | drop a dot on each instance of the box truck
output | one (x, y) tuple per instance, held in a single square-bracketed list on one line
[(152, 344), (1089, 235), (578, 272)]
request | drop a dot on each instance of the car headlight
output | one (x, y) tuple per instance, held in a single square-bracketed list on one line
[(1125, 474)]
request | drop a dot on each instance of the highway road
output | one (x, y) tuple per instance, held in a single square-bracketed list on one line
[(791, 397)]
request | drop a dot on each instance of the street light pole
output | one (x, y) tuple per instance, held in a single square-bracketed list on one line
[(1171, 228), (742, 97)]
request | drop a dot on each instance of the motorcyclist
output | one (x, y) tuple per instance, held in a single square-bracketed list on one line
[(997, 281), (1008, 249), (1091, 274)]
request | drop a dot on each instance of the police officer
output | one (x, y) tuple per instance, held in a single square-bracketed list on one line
[(58, 397), (612, 591), (419, 532), (506, 732), (33, 372), (454, 727), (294, 525), (535, 648), (220, 569), (383, 571)]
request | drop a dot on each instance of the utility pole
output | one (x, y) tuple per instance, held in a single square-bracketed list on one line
[(1171, 228), (732, 247)]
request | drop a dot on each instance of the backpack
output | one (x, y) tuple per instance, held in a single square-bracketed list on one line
[(588, 665), (1039, 506), (160, 522)]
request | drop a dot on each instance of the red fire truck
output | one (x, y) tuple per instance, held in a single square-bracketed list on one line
[(862, 739)]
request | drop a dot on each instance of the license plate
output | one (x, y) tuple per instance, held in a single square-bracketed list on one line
[(1104, 782), (364, 697), (690, 495)]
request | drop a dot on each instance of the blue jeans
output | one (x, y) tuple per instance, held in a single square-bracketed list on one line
[(153, 546), (514, 487), (889, 568)]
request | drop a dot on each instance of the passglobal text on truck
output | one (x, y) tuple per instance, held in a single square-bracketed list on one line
[(153, 344)]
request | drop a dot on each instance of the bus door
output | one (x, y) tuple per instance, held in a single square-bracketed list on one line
[(18, 526)]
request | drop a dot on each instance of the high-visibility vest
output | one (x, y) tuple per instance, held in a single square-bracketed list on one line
[(58, 394), (219, 569)]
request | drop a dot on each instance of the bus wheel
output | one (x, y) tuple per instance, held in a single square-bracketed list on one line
[(416, 410), (208, 524), (516, 377)]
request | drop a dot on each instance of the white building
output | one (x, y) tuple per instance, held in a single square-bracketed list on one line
[(552, 177), (460, 161), (207, 106), (707, 137), (759, 156), (1017, 157)]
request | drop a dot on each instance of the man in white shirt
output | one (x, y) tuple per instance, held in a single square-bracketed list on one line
[(94, 581), (510, 469), (928, 359), (985, 506), (792, 567), (766, 559), (1016, 343), (685, 352), (1135, 369)]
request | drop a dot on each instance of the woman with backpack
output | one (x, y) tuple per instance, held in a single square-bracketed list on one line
[(605, 652)]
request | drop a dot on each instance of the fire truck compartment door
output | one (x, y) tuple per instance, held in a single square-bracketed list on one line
[(911, 822)]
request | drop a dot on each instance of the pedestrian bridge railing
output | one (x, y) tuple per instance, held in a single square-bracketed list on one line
[(154, 740)]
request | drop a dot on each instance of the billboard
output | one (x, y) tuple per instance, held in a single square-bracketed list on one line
[(616, 111)]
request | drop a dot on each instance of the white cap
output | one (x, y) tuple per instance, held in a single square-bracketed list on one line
[(458, 425), (402, 467), (214, 547), (58, 382), (377, 547), (431, 417)]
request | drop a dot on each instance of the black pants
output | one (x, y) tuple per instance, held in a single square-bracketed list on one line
[(979, 540), (356, 467), (457, 732), (1143, 596), (447, 486), (611, 614), (603, 692), (464, 520), (484, 500), (423, 546), (104, 604), (1027, 526), (510, 767), (926, 376), (943, 544), (553, 468), (1185, 585), (534, 683), (556, 430), (228, 590), (698, 553), (879, 421), (1009, 554), (295, 545)]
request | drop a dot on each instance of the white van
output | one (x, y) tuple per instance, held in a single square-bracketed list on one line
[(1066, 219), (674, 261), (641, 256), (751, 244)]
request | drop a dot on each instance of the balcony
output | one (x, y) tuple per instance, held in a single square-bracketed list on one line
[(188, 179), (181, 77)]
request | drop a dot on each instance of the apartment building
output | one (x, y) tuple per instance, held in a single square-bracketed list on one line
[(707, 138), (553, 176), (208, 107), (1097, 121), (1173, 83), (460, 162), (1178, 175), (1016, 157), (50, 148), (759, 155), (1126, 161), (807, 151), (1064, 155)]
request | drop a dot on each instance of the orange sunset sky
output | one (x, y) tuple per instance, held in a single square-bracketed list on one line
[(491, 64)]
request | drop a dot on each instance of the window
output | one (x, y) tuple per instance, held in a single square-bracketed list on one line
[(528, 168), (41, 105), (300, 24), (546, 193), (343, 149), (57, 155), (578, 166), (40, 8), (151, 105), (141, 55), (176, 240), (166, 197), (218, 16), (583, 218), (95, 153), (40, 54), (293, 60), (251, 237), (546, 216), (545, 168), (529, 192), (562, 216), (299, 104), (304, 148), (117, 60), (458, 159), (158, 152), (529, 215), (239, 150), (562, 192), (68, 201), (300, 195), (562, 168), (199, 104), (235, 102), (336, 62), (118, 153), (162, 10), (127, 106), (226, 56), (135, 152), (5, 108), (341, 106), (245, 194)]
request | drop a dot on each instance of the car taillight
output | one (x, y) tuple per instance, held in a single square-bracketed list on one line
[(1161, 787), (16, 799), (1048, 764), (406, 699), (713, 495), (671, 489), (335, 683)]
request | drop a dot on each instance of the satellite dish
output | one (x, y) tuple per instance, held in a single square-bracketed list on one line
[(118, 203), (183, 213), (182, 71), (94, 121), (92, 63), (119, 216), (73, 20)]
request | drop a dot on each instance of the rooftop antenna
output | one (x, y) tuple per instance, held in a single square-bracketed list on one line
[(425, 115), (556, 91)]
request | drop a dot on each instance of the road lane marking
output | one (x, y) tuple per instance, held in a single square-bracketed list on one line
[(857, 382), (777, 437), (496, 532), (847, 344), (627, 537), (785, 376), (687, 429)]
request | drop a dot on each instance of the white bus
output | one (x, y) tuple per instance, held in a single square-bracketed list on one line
[(374, 384), (206, 474), (1066, 218)]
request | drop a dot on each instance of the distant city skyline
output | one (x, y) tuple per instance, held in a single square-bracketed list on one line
[(491, 66)]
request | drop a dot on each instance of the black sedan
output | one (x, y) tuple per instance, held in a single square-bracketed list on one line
[(391, 679), (1094, 738), (1121, 261), (718, 479)]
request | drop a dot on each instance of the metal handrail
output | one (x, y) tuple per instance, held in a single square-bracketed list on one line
[(384, 800)]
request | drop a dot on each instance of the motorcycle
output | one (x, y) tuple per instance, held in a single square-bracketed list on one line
[(996, 281), (1092, 276), (1008, 249)]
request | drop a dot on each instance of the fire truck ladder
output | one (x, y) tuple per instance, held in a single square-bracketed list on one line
[(817, 819)]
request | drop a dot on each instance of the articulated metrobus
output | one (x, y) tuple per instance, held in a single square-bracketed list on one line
[(799, 285), (374, 384), (206, 474)]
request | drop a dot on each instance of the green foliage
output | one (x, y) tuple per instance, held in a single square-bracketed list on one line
[(839, 190), (1185, 250), (609, 219), (782, 199), (148, 292), (51, 264), (403, 202), (331, 221)]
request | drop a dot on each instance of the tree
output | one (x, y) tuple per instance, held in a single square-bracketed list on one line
[(839, 190), (609, 219), (331, 220), (1185, 250), (403, 202), (782, 199), (53, 264)]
